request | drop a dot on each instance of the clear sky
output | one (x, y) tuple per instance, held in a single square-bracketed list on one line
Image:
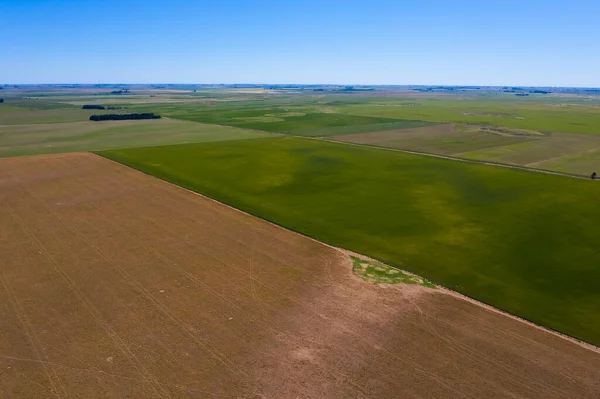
[(453, 42)]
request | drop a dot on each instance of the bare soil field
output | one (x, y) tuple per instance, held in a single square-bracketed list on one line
[(116, 284)]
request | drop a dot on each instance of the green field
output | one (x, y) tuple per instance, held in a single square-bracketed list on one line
[(524, 242), (545, 113), (562, 152), (559, 128), (573, 153), (300, 120), (563, 132), (33, 111), (32, 139)]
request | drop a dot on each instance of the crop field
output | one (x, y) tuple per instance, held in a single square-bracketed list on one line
[(40, 111), (555, 132), (561, 152), (50, 138), (524, 242), (446, 139), (295, 120), (117, 284), (545, 113), (559, 133)]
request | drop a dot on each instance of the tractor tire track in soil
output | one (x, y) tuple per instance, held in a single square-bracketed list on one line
[(116, 284)]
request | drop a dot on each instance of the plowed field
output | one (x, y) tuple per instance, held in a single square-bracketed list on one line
[(117, 284)]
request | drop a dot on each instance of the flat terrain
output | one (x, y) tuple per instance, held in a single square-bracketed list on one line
[(557, 132), (116, 284), (446, 139), (525, 242), (551, 113), (561, 152), (30, 111), (17, 140), (296, 120)]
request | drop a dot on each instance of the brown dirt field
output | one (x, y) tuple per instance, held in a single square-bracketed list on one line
[(116, 284)]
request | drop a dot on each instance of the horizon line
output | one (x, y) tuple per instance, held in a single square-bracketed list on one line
[(297, 84)]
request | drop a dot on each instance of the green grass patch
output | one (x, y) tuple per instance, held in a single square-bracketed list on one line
[(524, 242), (379, 273)]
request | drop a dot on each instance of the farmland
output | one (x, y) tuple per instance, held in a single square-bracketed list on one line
[(116, 284), (545, 113), (572, 153), (480, 230), (29, 111), (50, 138), (554, 132), (557, 133)]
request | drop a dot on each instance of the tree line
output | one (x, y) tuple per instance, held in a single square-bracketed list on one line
[(91, 106), (121, 117)]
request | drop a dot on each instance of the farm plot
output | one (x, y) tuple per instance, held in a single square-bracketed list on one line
[(116, 284), (525, 242), (29, 111), (446, 139), (18, 140), (559, 115), (279, 116), (561, 152)]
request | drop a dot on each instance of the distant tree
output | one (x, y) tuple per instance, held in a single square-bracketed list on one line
[(1, 100), (122, 117), (594, 175), (91, 106)]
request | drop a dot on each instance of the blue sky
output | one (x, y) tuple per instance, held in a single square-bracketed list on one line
[(526, 42)]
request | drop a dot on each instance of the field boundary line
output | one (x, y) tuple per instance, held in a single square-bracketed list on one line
[(443, 289), (565, 156), (311, 308), (453, 158)]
